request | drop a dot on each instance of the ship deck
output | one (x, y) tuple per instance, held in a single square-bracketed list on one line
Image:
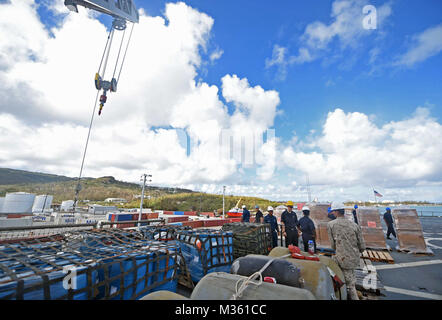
[(414, 277)]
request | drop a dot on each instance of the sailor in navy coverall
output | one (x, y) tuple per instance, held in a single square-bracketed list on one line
[(271, 219)]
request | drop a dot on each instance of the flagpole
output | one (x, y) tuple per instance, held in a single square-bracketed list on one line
[(374, 193)]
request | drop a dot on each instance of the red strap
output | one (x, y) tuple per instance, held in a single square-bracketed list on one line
[(312, 258), (297, 256)]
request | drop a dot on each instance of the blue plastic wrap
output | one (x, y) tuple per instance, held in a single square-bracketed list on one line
[(106, 254), (216, 254), (164, 268), (117, 268), (36, 256)]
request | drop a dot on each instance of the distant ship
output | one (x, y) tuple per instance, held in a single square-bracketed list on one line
[(235, 212)]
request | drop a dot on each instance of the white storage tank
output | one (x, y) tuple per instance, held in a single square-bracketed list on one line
[(18, 202), (67, 205), (2, 200), (42, 202)]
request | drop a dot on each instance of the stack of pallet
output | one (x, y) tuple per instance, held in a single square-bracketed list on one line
[(370, 222), (318, 213), (215, 222), (409, 231)]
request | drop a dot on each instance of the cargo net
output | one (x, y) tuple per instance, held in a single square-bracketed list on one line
[(205, 251), (162, 232), (249, 238), (80, 265)]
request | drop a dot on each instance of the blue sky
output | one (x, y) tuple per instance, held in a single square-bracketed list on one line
[(247, 31), (376, 94)]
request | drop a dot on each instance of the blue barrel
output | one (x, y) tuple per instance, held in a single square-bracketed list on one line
[(166, 267), (213, 253), (51, 282), (124, 266)]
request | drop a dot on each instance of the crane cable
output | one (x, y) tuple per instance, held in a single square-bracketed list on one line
[(78, 188), (102, 57), (105, 53), (125, 52), (108, 51), (118, 56)]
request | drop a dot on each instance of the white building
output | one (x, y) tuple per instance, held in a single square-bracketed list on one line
[(99, 209), (115, 200), (67, 205)]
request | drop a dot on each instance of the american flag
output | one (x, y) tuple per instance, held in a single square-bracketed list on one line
[(377, 194)]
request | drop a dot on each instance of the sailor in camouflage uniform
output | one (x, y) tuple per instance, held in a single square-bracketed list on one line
[(346, 239)]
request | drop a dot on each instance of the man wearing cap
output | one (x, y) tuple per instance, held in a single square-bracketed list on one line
[(355, 218), (389, 222), (290, 225), (307, 228), (271, 219), (245, 214), (346, 239), (258, 216), (330, 215)]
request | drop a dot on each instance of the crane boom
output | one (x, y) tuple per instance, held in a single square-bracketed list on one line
[(121, 9)]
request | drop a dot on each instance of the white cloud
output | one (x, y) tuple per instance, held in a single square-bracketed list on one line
[(345, 27), (424, 45), (18, 40), (353, 150), (215, 55), (49, 92), (282, 61), (255, 107)]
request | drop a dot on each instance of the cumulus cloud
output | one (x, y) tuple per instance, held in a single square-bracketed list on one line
[(346, 27), (353, 150), (424, 45), (49, 90)]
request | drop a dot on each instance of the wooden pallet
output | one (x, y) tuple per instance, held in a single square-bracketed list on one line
[(378, 256)]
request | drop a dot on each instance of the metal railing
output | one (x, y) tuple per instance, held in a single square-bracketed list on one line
[(28, 232), (424, 213)]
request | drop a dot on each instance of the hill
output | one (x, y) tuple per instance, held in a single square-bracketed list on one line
[(62, 188), (202, 202), (12, 176)]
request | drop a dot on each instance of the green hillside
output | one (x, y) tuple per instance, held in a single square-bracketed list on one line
[(202, 202), (94, 189), (12, 176), (98, 189)]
